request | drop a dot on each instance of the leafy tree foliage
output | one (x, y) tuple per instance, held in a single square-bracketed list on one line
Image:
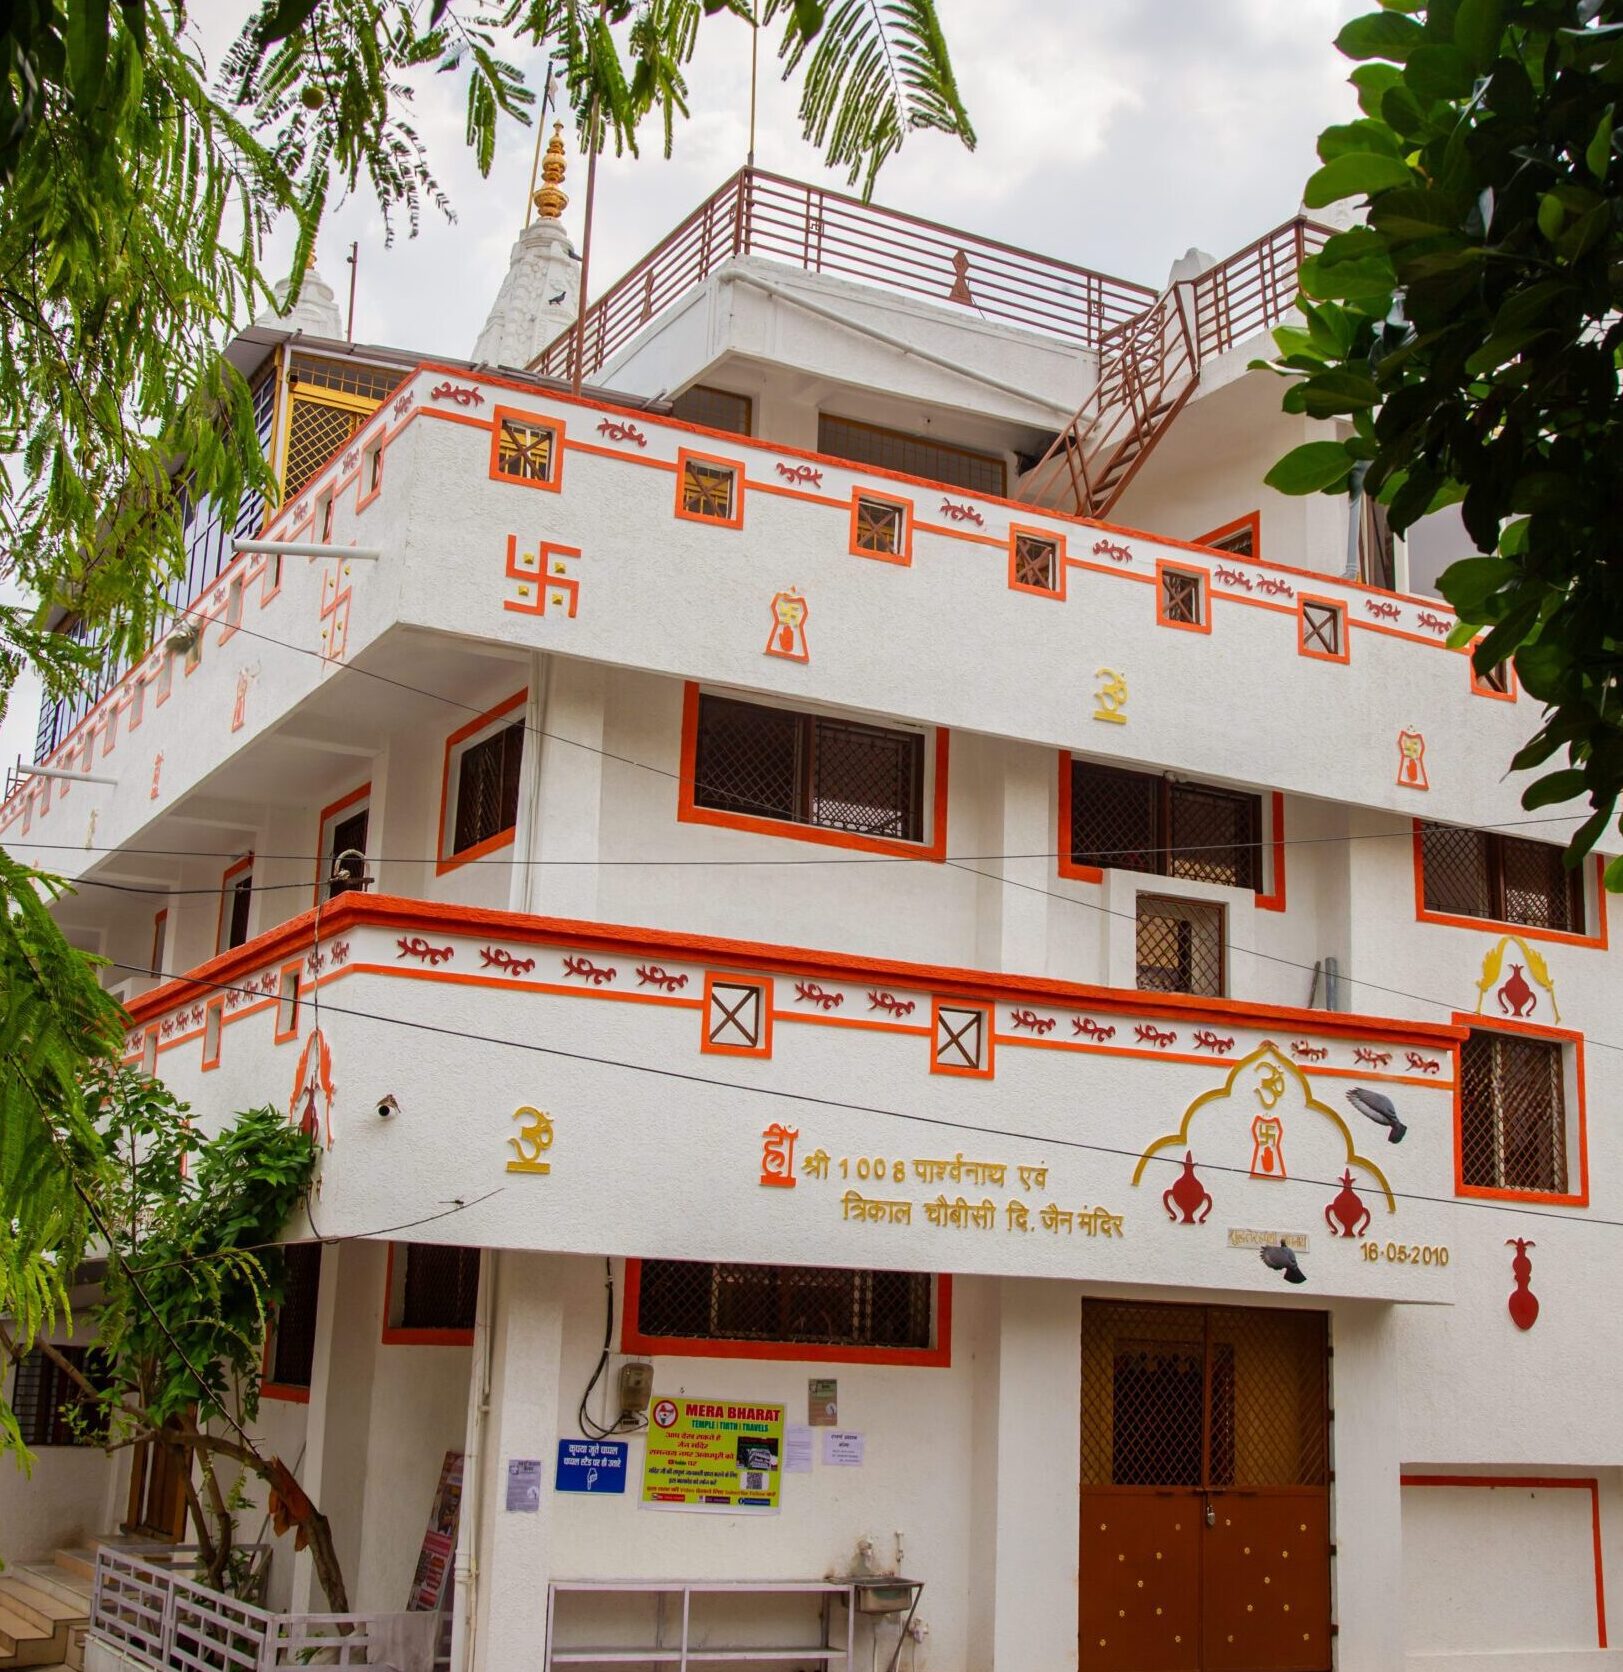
[(1467, 336), (135, 200)]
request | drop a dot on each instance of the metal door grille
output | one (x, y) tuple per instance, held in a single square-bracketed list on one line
[(315, 432), (441, 1287), (1189, 1396), (828, 1306), (1513, 1127), (1180, 946)]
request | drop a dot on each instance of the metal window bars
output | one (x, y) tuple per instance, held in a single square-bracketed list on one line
[(1506, 879), (1513, 1124), (1180, 945)]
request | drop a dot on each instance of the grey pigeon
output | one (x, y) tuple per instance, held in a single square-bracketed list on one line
[(1283, 1259), (1378, 1107)]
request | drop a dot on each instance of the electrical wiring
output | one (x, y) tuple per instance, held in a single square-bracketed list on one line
[(815, 1099), (588, 1424)]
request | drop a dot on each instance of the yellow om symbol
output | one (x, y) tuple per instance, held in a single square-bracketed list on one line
[(531, 1141), (1111, 697), (1270, 1086)]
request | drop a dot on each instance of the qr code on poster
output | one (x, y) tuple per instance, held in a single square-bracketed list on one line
[(752, 1480)]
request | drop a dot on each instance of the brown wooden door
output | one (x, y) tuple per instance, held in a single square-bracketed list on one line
[(1205, 1513), (158, 1492)]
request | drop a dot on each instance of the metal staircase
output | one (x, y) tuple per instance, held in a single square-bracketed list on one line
[(1150, 365)]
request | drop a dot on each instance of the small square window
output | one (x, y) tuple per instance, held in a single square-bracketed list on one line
[(1181, 598), (1180, 946), (880, 528), (526, 450), (737, 1017), (961, 1039), (1035, 562), (709, 490), (287, 1003), (1322, 629), (1499, 681)]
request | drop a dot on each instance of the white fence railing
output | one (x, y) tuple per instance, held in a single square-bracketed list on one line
[(170, 1620)]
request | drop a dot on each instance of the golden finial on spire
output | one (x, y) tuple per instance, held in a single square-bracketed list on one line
[(550, 201)]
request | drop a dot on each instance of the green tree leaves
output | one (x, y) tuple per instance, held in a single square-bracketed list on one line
[(1468, 335)]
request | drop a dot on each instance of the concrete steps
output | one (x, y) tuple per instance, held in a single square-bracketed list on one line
[(44, 1613)]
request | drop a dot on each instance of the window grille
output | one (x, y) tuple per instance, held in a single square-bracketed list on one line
[(1323, 627), (1182, 598), (715, 409), (348, 377), (51, 1409), (910, 455), (1504, 879), (1513, 1123), (1136, 821), (708, 489), (809, 769), (1036, 562), (525, 451), (441, 1287), (809, 1305), (348, 836), (293, 1326), (879, 526), (1241, 543), (487, 787), (1180, 946), (1497, 678), (316, 431)]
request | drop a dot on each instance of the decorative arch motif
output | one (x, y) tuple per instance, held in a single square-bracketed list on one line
[(1269, 1075)]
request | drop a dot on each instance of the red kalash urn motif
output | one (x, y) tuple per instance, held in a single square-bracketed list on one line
[(1187, 1196), (1346, 1215), (1523, 1302)]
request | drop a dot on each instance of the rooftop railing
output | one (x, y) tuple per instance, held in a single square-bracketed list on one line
[(757, 213)]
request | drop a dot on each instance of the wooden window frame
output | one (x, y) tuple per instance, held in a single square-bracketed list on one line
[(402, 1335), (456, 744), (553, 481), (735, 510), (332, 815), (1273, 896), (1203, 595), (633, 1341), (1306, 634), (1000, 491), (1574, 1112), (933, 796), (902, 555), (1590, 898), (228, 884), (1049, 537)]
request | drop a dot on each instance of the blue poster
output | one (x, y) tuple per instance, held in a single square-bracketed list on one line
[(591, 1466)]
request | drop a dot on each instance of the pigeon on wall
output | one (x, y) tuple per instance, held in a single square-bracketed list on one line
[(1379, 1108), (1283, 1259)]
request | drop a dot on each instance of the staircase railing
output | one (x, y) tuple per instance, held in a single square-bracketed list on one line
[(757, 213), (1150, 365)]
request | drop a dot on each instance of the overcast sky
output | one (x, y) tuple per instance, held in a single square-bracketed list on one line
[(1113, 133)]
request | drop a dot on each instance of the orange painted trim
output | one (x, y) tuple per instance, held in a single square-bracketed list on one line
[(215, 1009), (491, 844), (1068, 867), (1543, 1483), (685, 455), (903, 555), (988, 1065), (323, 819), (1578, 1198), (763, 1044), (280, 1035), (1251, 520), (356, 910), (1274, 899), (1344, 638), (393, 1335), (554, 481), (688, 811), (1188, 571), (632, 1340), (234, 869), (1600, 940), (1061, 562)]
